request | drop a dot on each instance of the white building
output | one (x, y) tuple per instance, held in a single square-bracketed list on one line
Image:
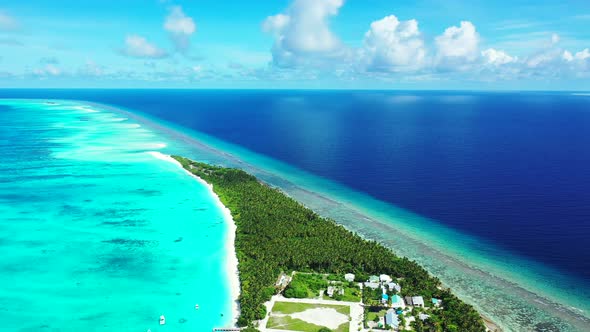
[(349, 277), (393, 286), (418, 301), (391, 319), (330, 291), (397, 302), (372, 285), (385, 278), (423, 317)]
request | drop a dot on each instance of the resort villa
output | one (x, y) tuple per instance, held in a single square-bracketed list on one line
[(391, 319), (397, 302), (385, 278), (417, 301), (394, 287)]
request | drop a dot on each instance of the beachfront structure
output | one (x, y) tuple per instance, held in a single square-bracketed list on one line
[(349, 277), (436, 302), (374, 279), (330, 291), (408, 300), (394, 287), (372, 285), (391, 319), (385, 278), (418, 301), (397, 302)]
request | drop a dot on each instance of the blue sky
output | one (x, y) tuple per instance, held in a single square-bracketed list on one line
[(374, 44)]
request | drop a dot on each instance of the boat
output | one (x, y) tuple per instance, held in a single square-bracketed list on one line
[(162, 320), (196, 306)]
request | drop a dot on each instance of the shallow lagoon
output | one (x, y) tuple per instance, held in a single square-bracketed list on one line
[(96, 233)]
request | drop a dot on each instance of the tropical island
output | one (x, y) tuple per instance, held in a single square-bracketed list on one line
[(292, 261)]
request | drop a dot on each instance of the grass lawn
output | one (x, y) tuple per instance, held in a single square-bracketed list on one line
[(351, 294), (371, 315), (291, 308), (291, 324)]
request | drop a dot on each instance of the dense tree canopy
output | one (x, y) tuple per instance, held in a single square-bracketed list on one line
[(276, 233)]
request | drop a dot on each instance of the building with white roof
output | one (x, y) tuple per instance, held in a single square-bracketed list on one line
[(393, 286), (385, 278), (391, 319), (418, 301), (423, 317), (372, 285)]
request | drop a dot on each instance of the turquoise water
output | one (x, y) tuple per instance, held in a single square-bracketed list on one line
[(98, 234)]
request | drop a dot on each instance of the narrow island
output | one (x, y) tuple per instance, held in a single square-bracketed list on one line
[(297, 268)]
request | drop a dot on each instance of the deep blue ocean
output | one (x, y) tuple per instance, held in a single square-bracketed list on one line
[(513, 168)]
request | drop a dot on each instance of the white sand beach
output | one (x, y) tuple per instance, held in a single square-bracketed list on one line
[(232, 259)]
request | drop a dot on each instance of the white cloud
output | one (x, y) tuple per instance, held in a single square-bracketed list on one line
[(7, 22), (276, 23), (582, 55), (497, 58), (138, 47), (391, 45), (180, 27), (543, 59), (459, 41), (302, 34), (458, 45), (49, 70)]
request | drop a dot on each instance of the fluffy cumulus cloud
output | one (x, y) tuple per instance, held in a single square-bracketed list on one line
[(497, 58), (303, 39), (7, 22), (139, 47), (579, 62), (391, 45), (458, 45), (579, 56), (180, 27), (302, 34)]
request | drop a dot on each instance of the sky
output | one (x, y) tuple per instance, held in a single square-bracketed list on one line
[(304, 44)]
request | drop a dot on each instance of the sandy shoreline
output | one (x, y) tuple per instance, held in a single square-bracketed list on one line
[(232, 258)]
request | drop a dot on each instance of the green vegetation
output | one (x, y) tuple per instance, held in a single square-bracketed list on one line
[(275, 233), (306, 285), (374, 315)]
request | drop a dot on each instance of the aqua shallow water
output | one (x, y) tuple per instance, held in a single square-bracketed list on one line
[(98, 234)]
